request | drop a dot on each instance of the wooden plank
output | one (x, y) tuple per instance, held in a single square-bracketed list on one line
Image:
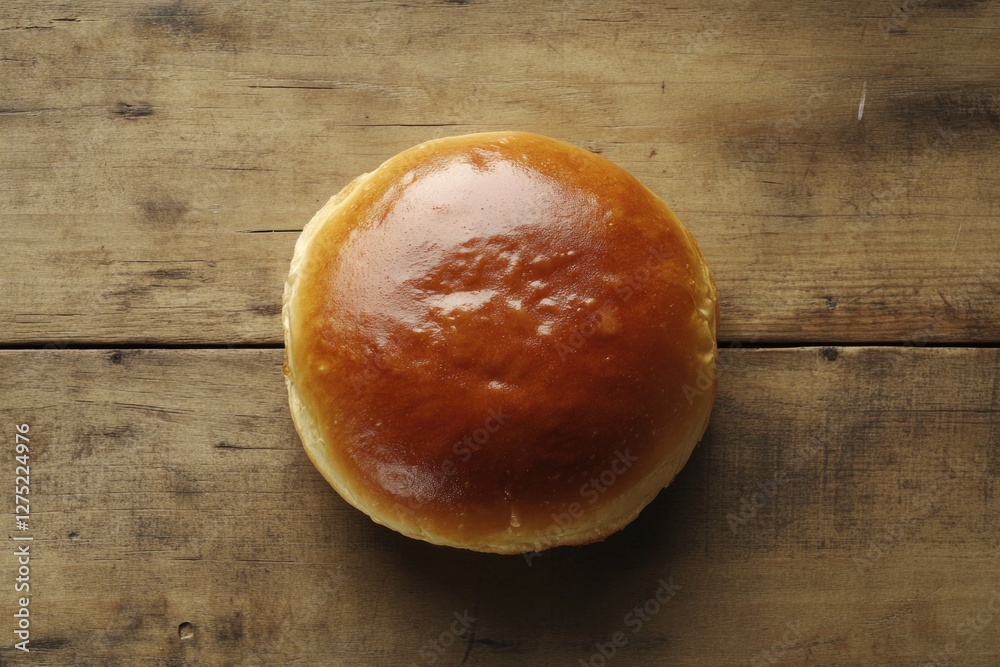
[(843, 510), (144, 147)]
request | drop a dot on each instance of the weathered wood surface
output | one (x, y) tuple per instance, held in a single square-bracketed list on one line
[(169, 488), (839, 162)]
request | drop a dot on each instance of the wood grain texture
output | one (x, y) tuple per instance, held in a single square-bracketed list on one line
[(838, 162), (157, 159), (842, 510)]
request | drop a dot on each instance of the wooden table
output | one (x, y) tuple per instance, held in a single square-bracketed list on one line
[(838, 162)]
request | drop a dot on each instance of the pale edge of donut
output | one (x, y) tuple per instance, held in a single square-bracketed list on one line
[(601, 520)]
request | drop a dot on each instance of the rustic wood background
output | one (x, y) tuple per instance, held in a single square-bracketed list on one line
[(839, 162)]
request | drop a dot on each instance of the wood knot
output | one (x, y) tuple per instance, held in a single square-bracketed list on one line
[(124, 110)]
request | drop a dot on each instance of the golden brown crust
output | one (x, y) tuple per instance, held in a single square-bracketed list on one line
[(499, 342)]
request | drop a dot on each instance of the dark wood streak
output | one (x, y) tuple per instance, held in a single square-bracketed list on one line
[(130, 111)]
